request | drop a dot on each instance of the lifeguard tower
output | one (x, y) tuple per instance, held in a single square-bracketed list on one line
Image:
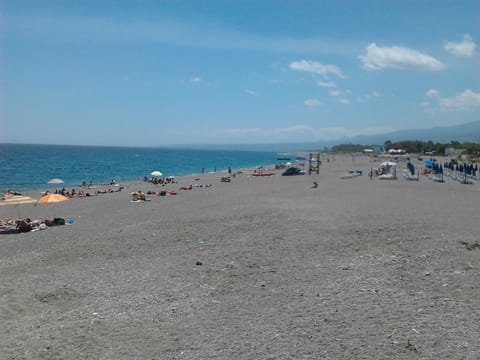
[(314, 163)]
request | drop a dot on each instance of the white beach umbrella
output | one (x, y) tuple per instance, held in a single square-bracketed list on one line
[(16, 200), (56, 181), (156, 173)]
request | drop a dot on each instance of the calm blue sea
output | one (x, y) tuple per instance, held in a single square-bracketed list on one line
[(30, 167)]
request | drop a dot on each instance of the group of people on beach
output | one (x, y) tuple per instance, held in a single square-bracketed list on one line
[(138, 196), (81, 193), (10, 226), (160, 181)]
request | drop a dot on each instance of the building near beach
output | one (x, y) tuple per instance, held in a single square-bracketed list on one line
[(396, 151), (453, 152)]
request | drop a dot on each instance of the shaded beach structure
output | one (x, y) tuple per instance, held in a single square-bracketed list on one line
[(314, 163), (16, 200), (409, 173), (388, 170), (52, 199)]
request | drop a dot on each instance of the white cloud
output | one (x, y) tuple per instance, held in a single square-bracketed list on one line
[(326, 84), (250, 92), (278, 133), (432, 93), (305, 132), (374, 94), (316, 68), (374, 131), (368, 97), (461, 102), (464, 101), (341, 96), (465, 48), (396, 57), (195, 79), (301, 132), (312, 103)]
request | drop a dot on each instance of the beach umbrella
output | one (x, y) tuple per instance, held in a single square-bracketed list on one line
[(388, 163), (52, 199), (55, 181), (16, 200), (156, 173)]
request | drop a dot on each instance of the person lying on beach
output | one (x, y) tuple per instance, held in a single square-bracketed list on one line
[(138, 196), (9, 193), (26, 225), (161, 193)]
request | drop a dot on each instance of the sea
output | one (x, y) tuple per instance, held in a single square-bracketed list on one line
[(26, 167)]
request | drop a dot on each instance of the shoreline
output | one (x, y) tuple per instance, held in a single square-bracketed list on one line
[(125, 187), (128, 183)]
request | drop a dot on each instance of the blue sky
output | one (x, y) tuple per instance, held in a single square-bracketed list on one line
[(153, 73)]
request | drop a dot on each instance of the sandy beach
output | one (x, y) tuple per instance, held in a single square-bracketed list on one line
[(257, 268)]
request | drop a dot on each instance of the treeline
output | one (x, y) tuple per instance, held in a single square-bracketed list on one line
[(412, 147), (421, 147), (348, 148)]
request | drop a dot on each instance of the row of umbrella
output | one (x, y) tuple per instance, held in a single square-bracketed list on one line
[(469, 169), (16, 199), (22, 199)]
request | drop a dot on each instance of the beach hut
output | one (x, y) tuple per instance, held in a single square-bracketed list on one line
[(388, 170)]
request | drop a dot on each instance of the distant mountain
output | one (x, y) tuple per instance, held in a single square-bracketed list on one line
[(466, 132), (469, 132)]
